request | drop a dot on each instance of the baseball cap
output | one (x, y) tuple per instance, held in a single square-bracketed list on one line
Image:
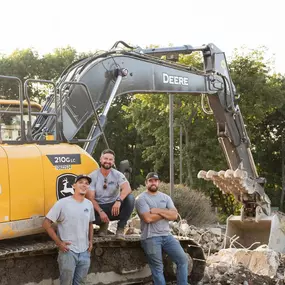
[(153, 175), (80, 176)]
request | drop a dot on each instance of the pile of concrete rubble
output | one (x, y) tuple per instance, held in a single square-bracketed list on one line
[(260, 266), (210, 239)]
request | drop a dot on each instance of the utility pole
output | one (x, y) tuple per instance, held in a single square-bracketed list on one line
[(171, 153), (283, 174), (180, 154)]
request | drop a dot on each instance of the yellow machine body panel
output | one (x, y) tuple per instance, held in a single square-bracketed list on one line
[(32, 178), (26, 181), (4, 187)]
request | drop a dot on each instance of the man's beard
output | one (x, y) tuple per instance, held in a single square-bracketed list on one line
[(106, 166), (152, 188)]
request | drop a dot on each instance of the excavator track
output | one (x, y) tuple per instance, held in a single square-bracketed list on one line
[(41, 245), (123, 261)]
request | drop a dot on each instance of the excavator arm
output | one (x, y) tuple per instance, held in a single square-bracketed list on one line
[(90, 85)]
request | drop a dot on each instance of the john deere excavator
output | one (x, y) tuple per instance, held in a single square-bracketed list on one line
[(38, 167)]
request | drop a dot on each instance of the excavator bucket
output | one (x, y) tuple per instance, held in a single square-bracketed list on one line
[(251, 234), (262, 227)]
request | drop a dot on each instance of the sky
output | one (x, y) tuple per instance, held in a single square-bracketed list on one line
[(89, 25)]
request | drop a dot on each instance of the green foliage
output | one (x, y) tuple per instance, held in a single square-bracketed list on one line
[(27, 63), (260, 91), (53, 64), (22, 64), (192, 205)]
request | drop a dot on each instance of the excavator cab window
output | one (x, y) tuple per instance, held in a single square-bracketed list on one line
[(10, 122)]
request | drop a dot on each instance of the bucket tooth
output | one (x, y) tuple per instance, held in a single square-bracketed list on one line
[(229, 173), (238, 173), (211, 174), (221, 173), (202, 174)]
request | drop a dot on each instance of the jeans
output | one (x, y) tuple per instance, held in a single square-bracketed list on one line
[(126, 210), (153, 248), (73, 267)]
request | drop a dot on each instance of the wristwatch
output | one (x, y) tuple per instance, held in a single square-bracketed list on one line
[(119, 199)]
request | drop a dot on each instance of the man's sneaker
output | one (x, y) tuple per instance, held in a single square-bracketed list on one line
[(120, 234), (103, 230)]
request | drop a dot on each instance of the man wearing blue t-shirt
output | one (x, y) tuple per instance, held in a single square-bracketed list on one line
[(155, 210)]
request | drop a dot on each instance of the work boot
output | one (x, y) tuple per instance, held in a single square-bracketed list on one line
[(103, 231), (120, 234)]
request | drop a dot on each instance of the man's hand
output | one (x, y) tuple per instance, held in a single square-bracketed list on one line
[(104, 217), (90, 247), (63, 246), (116, 208)]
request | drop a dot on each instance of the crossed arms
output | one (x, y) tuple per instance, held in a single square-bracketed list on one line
[(156, 214)]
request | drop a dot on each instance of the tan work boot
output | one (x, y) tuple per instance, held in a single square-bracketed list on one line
[(103, 231), (120, 234)]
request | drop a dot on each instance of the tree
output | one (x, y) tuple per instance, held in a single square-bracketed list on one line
[(22, 64)]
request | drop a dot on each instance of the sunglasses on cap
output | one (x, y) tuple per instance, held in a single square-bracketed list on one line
[(105, 185)]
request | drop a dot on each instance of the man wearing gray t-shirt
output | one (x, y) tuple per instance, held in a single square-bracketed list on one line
[(74, 216), (110, 194), (155, 210)]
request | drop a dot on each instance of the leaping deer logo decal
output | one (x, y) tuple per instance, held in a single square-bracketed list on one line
[(66, 189), (64, 185)]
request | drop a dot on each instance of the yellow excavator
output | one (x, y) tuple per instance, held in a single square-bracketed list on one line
[(38, 166)]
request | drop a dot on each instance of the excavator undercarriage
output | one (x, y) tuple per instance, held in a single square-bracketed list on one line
[(113, 261)]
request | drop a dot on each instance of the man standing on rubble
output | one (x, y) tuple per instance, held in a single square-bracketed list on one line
[(155, 210), (110, 194), (74, 216)]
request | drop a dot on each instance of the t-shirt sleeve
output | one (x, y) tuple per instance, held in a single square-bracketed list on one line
[(92, 214), (121, 178), (141, 205), (54, 212), (93, 176), (169, 203)]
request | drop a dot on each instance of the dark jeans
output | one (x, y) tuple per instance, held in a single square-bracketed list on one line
[(126, 210)]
